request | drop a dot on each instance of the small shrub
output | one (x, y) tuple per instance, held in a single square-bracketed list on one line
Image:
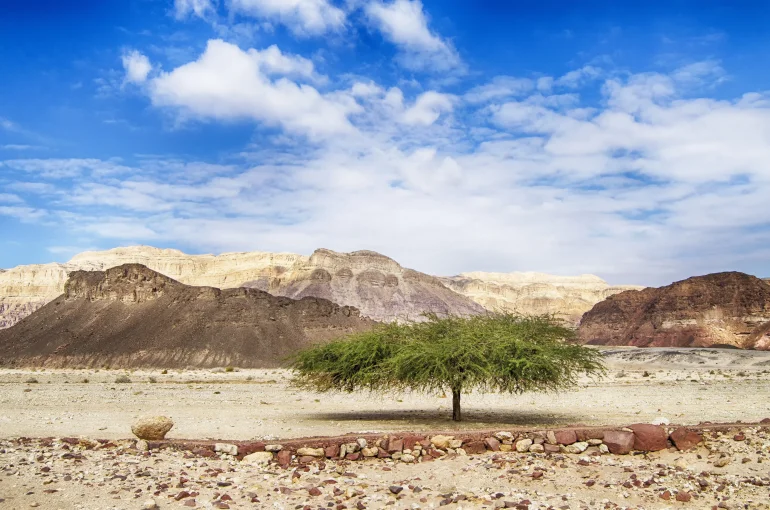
[(31, 380), (122, 379), (85, 381), (229, 369), (164, 372), (646, 374), (153, 380)]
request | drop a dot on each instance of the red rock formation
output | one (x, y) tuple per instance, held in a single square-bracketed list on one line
[(730, 309)]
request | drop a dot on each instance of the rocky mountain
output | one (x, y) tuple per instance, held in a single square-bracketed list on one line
[(375, 284), (131, 316), (717, 309), (568, 297)]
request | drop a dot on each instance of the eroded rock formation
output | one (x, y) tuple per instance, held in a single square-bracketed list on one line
[(131, 316), (568, 297), (717, 309)]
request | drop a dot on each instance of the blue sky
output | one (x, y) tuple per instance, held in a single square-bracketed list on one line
[(625, 139)]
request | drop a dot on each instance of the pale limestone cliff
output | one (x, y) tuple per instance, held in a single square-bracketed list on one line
[(568, 297)]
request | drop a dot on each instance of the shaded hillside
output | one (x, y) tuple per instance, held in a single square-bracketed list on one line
[(717, 309), (131, 316)]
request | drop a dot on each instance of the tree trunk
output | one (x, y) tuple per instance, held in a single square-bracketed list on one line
[(456, 413)]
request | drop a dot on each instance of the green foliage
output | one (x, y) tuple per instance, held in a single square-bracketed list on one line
[(494, 352)]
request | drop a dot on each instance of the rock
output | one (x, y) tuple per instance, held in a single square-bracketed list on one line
[(681, 463), (395, 489), (273, 448), (455, 443), (603, 448), (284, 458), (660, 420), (227, 448), (576, 448), (551, 448), (684, 438), (523, 445), (649, 438), (683, 496), (722, 461), (441, 442), (407, 457), (395, 445), (619, 442), (258, 458), (492, 444), (537, 448), (152, 428), (311, 452), (565, 437), (142, 445), (503, 436), (370, 452), (505, 448), (550, 437), (150, 504), (314, 491), (362, 443), (332, 451), (475, 448)]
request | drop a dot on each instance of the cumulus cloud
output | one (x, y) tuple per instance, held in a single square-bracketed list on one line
[(303, 17), (227, 83), (500, 87), (136, 66), (428, 108), (404, 23)]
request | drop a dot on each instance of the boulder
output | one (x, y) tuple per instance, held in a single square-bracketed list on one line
[(492, 444), (441, 442), (311, 452), (284, 458), (229, 449), (152, 428), (565, 437), (619, 442), (523, 445), (649, 438), (474, 447), (684, 438), (395, 445)]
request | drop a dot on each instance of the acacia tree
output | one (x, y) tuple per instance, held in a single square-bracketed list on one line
[(498, 352)]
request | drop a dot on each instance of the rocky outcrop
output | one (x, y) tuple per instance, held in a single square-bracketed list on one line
[(131, 316), (730, 309), (567, 297), (24, 289), (374, 283)]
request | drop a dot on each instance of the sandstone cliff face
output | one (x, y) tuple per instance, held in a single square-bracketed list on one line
[(568, 297), (373, 283), (131, 316), (717, 309), (26, 288)]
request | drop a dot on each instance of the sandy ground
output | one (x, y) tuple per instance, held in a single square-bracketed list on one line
[(681, 385), (684, 386)]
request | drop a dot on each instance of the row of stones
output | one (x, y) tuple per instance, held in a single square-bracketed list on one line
[(639, 437)]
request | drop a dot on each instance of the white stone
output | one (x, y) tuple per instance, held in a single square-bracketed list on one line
[(311, 452), (273, 447), (442, 442), (503, 436), (258, 458), (229, 449), (523, 445)]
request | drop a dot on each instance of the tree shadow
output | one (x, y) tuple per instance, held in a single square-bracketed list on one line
[(472, 418)]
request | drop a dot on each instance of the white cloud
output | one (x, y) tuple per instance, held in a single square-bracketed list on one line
[(303, 17), (53, 168), (18, 147), (227, 83), (137, 67), (428, 108), (499, 87), (578, 77), (404, 23), (200, 8), (8, 198)]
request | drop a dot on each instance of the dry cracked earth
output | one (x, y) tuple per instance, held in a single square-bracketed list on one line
[(730, 469)]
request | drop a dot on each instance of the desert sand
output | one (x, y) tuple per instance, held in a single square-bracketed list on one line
[(682, 386)]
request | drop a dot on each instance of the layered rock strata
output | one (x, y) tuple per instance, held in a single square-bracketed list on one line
[(721, 309)]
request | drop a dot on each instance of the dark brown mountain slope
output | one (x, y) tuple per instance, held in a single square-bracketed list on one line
[(131, 316), (716, 309)]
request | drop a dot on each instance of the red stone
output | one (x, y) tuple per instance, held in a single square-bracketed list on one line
[(586, 434), (474, 447), (565, 437), (395, 445), (315, 491), (411, 441), (649, 438), (739, 437), (353, 456), (204, 452), (332, 452), (249, 448), (284, 458), (665, 495), (765, 421), (382, 454), (306, 459), (619, 442), (684, 438), (551, 448), (492, 444), (683, 496)]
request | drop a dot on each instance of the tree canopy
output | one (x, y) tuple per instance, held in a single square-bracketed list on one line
[(497, 352)]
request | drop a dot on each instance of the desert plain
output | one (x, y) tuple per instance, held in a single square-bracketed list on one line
[(38, 407)]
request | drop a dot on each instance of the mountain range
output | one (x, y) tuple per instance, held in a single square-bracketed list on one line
[(377, 285)]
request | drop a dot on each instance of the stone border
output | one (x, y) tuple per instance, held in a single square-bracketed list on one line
[(410, 447)]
